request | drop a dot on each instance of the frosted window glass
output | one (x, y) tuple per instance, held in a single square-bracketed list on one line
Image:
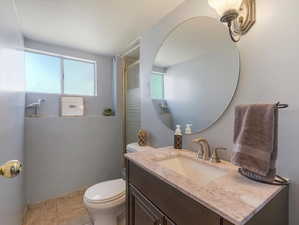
[(43, 73), (79, 78), (157, 86)]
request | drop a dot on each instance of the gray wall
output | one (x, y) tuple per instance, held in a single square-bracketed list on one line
[(12, 100), (269, 73), (66, 154)]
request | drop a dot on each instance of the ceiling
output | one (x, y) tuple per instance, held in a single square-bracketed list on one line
[(98, 26)]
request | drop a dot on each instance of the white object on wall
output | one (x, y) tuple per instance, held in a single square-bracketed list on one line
[(72, 106)]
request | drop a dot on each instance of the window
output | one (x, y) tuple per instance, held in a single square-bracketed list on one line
[(59, 75), (79, 78), (43, 73), (157, 86)]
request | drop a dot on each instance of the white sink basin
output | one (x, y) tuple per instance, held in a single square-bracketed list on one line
[(199, 172)]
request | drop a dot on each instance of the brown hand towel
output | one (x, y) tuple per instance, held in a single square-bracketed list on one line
[(255, 139)]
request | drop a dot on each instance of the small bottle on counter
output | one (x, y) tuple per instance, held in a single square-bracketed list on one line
[(188, 129), (178, 138)]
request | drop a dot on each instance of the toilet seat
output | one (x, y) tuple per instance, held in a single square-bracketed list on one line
[(105, 192), (105, 206)]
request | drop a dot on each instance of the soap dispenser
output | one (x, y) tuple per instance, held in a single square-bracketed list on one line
[(188, 129), (178, 138)]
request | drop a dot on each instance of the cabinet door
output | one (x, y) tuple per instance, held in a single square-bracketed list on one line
[(168, 222), (142, 211)]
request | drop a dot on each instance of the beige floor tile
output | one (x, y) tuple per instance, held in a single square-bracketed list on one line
[(67, 210), (50, 209), (71, 215), (34, 216), (69, 204), (36, 205), (50, 221)]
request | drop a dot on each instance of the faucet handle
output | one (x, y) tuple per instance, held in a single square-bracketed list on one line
[(215, 157), (197, 140)]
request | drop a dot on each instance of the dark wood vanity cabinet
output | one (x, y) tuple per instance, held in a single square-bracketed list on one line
[(142, 211), (151, 201), (168, 222)]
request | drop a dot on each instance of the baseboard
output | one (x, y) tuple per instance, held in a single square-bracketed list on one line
[(24, 213)]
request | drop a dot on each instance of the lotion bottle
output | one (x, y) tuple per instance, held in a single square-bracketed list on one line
[(188, 129)]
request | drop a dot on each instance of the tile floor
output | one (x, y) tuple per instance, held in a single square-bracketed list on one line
[(67, 210)]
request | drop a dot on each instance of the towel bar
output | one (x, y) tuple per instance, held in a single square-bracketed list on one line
[(281, 106), (277, 181)]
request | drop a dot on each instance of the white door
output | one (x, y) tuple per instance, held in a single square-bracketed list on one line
[(11, 113)]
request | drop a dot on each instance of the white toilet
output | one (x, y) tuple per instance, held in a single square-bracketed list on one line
[(105, 202)]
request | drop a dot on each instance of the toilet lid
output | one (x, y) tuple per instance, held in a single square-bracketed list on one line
[(106, 191)]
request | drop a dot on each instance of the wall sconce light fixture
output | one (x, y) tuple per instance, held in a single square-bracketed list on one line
[(239, 15)]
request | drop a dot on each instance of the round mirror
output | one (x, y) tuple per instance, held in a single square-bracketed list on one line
[(195, 74)]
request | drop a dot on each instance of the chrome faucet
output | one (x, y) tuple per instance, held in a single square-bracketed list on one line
[(204, 151)]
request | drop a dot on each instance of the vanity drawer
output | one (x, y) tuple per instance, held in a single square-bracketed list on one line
[(177, 206)]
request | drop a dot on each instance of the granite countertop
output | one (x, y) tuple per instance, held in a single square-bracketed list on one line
[(134, 147), (232, 196)]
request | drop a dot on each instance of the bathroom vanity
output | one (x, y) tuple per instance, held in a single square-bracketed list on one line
[(173, 187)]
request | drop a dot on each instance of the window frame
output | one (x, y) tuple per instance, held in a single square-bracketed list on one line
[(62, 58), (163, 87)]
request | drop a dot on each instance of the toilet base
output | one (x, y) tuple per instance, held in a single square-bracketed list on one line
[(106, 220), (113, 215), (120, 220)]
